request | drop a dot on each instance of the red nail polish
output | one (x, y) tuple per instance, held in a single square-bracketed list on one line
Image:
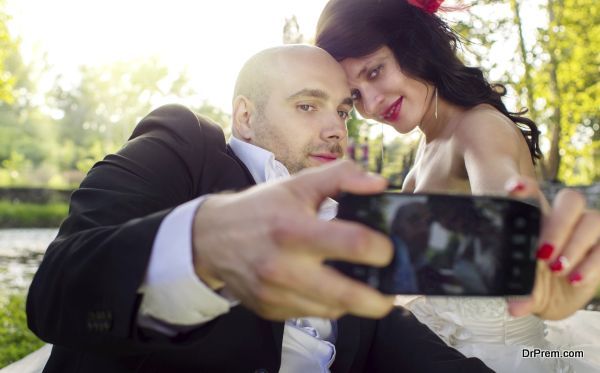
[(518, 187), (545, 251), (557, 265), (575, 277)]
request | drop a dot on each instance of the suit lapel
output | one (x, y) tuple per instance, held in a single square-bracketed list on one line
[(277, 327), (231, 153), (347, 343)]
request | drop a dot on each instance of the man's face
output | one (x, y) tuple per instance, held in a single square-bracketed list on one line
[(304, 119), (412, 224)]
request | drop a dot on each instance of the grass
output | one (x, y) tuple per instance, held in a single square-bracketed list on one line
[(31, 215), (16, 340)]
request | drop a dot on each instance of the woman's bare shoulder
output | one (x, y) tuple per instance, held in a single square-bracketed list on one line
[(484, 130), (484, 121)]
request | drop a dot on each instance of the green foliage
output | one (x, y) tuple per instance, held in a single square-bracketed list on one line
[(55, 143), (354, 123), (7, 47), (16, 340), (569, 83), (53, 138), (107, 102), (555, 75), (216, 114), (29, 215)]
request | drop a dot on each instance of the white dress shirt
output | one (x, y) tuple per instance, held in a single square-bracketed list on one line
[(175, 299)]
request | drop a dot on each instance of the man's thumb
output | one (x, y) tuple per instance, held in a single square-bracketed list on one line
[(317, 183)]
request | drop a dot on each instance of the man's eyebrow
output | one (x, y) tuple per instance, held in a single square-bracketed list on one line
[(316, 93)]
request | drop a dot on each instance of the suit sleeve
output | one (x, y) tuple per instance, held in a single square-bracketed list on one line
[(403, 344), (84, 293)]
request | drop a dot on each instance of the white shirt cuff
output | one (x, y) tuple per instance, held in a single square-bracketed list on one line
[(172, 292)]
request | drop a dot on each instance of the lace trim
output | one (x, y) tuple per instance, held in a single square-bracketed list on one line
[(459, 321)]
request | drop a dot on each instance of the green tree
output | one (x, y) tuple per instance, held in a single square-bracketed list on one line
[(25, 131), (291, 31), (98, 114), (555, 76), (8, 45), (221, 117), (568, 85)]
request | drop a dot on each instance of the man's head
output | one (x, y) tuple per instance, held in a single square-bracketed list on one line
[(293, 100)]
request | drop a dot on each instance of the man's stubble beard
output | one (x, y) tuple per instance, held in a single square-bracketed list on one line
[(293, 162)]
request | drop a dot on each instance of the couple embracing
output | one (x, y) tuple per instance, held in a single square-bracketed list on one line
[(156, 270)]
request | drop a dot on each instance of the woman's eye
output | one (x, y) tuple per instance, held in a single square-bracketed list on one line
[(375, 72), (344, 114), (355, 95)]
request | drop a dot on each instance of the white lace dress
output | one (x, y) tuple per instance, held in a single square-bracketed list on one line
[(482, 327)]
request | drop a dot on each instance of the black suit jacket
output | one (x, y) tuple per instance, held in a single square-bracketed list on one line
[(84, 298)]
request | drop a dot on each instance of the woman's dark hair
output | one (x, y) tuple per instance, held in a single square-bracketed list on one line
[(423, 45)]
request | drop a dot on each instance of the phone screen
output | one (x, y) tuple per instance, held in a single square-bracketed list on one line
[(449, 244)]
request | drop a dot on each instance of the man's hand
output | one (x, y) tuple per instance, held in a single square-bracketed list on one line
[(568, 269), (267, 246)]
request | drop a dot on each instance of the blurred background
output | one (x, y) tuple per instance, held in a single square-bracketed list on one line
[(76, 76)]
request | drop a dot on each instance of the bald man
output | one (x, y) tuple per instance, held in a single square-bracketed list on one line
[(154, 272)]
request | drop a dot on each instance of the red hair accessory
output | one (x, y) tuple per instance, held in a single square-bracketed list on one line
[(429, 6)]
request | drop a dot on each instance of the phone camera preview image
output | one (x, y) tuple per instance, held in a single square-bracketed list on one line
[(448, 244)]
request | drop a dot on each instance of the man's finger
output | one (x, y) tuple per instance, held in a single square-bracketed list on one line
[(274, 302), (327, 286), (337, 239), (315, 184)]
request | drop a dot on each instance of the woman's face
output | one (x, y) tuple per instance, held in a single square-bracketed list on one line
[(381, 91)]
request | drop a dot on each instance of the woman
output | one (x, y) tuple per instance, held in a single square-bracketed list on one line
[(400, 60)]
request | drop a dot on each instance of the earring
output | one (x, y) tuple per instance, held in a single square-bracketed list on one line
[(436, 100)]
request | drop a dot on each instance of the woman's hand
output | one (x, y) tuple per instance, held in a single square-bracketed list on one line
[(568, 268)]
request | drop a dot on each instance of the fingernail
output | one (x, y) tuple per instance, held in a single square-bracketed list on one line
[(516, 186), (545, 251), (575, 278), (559, 264)]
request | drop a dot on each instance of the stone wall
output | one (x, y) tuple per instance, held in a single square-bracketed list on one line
[(42, 195), (591, 192), (34, 195)]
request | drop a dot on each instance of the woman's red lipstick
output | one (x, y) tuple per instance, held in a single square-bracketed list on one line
[(393, 112)]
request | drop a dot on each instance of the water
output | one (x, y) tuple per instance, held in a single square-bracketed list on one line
[(21, 251)]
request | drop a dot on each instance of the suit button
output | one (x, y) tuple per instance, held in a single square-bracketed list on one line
[(99, 321)]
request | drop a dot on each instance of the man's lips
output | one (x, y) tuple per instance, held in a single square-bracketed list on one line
[(325, 157), (393, 112)]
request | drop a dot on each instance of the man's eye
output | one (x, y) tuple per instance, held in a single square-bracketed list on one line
[(344, 114), (306, 107), (355, 95)]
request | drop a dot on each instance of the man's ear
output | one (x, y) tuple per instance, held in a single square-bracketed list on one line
[(243, 111)]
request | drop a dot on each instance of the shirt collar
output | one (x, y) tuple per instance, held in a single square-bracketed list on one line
[(260, 162), (264, 167)]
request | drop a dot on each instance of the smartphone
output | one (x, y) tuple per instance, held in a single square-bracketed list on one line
[(448, 244)]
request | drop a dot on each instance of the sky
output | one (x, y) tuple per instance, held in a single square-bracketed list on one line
[(212, 39)]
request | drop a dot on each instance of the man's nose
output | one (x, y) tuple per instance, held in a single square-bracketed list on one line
[(335, 129)]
